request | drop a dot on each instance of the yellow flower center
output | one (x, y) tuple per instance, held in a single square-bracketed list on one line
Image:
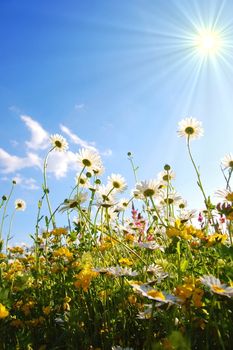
[(86, 162), (229, 197), (217, 289), (156, 294), (149, 192), (189, 130), (58, 144)]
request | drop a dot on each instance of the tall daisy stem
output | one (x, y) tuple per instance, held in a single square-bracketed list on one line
[(199, 183), (4, 210), (45, 188)]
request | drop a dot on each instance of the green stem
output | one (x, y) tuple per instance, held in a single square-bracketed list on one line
[(4, 210), (46, 190), (130, 157), (157, 212), (9, 231), (206, 201)]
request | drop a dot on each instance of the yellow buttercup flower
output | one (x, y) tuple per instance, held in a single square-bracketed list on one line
[(84, 278), (125, 261), (3, 311)]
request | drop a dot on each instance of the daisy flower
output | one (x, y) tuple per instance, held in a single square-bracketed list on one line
[(190, 128), (89, 159), (119, 271), (216, 286), (227, 161), (187, 215), (98, 169), (74, 202), (150, 245), (148, 188), (169, 198), (20, 205), (166, 175), (154, 294), (105, 197), (122, 205), (82, 181), (117, 182), (59, 143), (225, 195), (182, 204)]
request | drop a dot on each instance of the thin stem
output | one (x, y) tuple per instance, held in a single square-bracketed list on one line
[(130, 157), (46, 190), (4, 210), (9, 231), (206, 201), (197, 172)]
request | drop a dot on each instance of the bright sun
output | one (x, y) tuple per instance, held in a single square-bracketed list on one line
[(208, 42)]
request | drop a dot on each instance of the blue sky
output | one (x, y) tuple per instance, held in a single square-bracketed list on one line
[(119, 75)]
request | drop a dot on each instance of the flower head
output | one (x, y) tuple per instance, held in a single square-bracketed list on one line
[(148, 188), (119, 271), (216, 286), (3, 311), (75, 202), (82, 181), (225, 195), (190, 128), (154, 294), (20, 204), (89, 159), (227, 161), (166, 175), (105, 197), (169, 198), (59, 143), (117, 182)]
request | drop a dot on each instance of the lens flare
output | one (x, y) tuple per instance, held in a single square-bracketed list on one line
[(208, 42)]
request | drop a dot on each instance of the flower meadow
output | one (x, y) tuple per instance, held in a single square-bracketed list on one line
[(136, 272)]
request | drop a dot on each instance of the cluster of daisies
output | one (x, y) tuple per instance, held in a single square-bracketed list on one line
[(92, 167)]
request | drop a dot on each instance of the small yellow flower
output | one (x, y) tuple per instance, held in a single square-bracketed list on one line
[(63, 252), (216, 238), (59, 231), (132, 299), (156, 294), (125, 262), (16, 323), (46, 310), (84, 278), (3, 311)]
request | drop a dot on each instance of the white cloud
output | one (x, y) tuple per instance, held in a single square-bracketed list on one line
[(107, 152), (60, 163), (14, 109), (77, 140), (39, 137), (10, 163), (79, 106), (28, 183)]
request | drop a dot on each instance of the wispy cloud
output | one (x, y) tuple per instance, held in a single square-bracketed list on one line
[(10, 163), (77, 140), (14, 109), (79, 106), (39, 137), (107, 152), (58, 164), (27, 183)]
